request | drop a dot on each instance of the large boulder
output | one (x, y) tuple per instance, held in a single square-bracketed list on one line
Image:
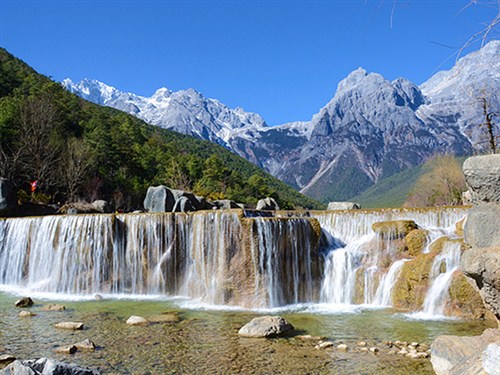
[(183, 204), (102, 206), (45, 366), (335, 206), (7, 197), (265, 326), (482, 227), (159, 199), (267, 204), (482, 266), (464, 354), (482, 175)]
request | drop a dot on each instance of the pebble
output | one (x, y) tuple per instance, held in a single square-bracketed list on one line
[(363, 349), (403, 352), (26, 314), (342, 347), (309, 337), (374, 349), (68, 349), (324, 344), (361, 343), (53, 308), (136, 321), (422, 355), (85, 345), (70, 325), (414, 344)]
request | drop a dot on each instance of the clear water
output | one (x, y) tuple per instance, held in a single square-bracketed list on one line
[(206, 341)]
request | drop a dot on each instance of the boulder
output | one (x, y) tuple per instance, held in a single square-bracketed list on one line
[(8, 201), (266, 326), (226, 204), (267, 204), (482, 266), (102, 206), (183, 204), (482, 227), (415, 241), (392, 230), (491, 358), (46, 366), (159, 199), (24, 302), (136, 321), (463, 354), (482, 176), (335, 206), (74, 326)]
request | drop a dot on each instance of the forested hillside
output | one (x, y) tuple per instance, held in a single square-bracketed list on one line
[(77, 150)]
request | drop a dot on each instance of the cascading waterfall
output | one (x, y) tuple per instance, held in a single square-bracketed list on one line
[(437, 295), (218, 257)]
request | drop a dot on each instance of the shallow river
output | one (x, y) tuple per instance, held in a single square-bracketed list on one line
[(205, 341)]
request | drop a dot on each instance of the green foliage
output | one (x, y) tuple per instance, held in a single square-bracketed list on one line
[(123, 155)]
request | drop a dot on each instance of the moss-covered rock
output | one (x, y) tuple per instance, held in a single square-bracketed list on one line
[(459, 227), (465, 301), (409, 291), (394, 229), (415, 241)]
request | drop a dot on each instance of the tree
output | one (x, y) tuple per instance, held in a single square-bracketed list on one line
[(76, 167), (442, 183), (489, 115)]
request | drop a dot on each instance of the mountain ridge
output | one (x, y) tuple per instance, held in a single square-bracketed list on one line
[(369, 130)]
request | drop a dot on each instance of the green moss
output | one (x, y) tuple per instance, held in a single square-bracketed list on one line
[(415, 241), (465, 301)]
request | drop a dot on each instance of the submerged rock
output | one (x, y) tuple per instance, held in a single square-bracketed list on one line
[(26, 314), (85, 345), (334, 206), (266, 326), (46, 366), (24, 302), (55, 307), (75, 326), (136, 321), (67, 349)]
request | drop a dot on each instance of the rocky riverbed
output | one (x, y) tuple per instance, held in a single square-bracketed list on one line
[(178, 340)]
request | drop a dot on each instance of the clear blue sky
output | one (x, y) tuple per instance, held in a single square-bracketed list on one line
[(282, 59)]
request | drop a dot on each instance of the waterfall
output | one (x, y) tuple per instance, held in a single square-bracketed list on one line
[(437, 295), (219, 257), (384, 290)]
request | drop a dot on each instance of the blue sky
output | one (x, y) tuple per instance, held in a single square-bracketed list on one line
[(282, 59)]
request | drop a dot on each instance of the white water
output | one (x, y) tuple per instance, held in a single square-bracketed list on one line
[(215, 258)]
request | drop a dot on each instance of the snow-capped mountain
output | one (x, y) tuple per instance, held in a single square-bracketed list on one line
[(185, 111), (371, 129)]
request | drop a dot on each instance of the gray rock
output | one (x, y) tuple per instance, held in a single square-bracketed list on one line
[(46, 366), (159, 199), (482, 227), (102, 206), (461, 355), (491, 359), (482, 266), (226, 204), (333, 206), (136, 321), (266, 326), (267, 204), (72, 326), (85, 345), (24, 302), (8, 200), (482, 175), (183, 204)]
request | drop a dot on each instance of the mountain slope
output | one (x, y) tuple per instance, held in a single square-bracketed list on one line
[(371, 129), (77, 149)]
